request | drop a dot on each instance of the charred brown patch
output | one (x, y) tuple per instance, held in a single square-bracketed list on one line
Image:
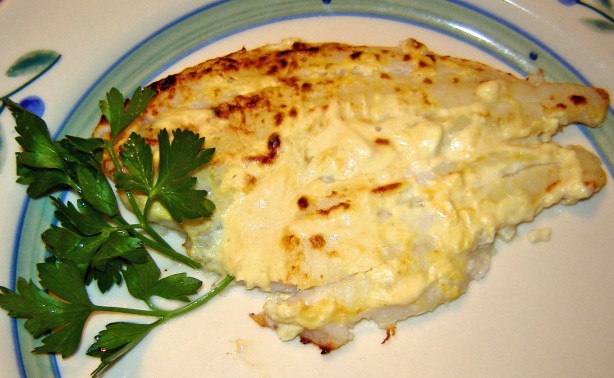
[(283, 53), (382, 141), (240, 104), (304, 47), (293, 112), (302, 203), (386, 188), (406, 58), (340, 206), (291, 82), (273, 145), (390, 331), (224, 110), (168, 82), (578, 100), (355, 55), (306, 87), (272, 70), (279, 118), (317, 241), (229, 64), (324, 348)]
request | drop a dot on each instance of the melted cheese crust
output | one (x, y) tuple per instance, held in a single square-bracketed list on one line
[(353, 180)]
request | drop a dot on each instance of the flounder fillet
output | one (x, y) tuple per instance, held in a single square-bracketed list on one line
[(358, 182)]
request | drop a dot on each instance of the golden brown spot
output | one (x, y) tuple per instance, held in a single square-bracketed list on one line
[(552, 185), (386, 188), (382, 141), (427, 80), (578, 100), (355, 55), (561, 106), (342, 205), (293, 112), (260, 319), (317, 241), (406, 57), (249, 181), (306, 87), (303, 203), (291, 242), (591, 185), (603, 94), (384, 76)]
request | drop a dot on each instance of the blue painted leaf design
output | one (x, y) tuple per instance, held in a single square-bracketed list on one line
[(32, 63), (600, 25)]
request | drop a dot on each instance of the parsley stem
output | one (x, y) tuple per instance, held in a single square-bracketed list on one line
[(156, 242), (166, 314), (163, 248), (221, 285), (133, 311), (169, 252)]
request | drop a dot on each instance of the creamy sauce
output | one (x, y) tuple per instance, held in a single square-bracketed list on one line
[(370, 184)]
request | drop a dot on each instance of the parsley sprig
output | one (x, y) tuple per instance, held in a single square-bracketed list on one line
[(93, 241)]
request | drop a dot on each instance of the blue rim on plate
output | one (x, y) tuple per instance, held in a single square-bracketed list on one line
[(200, 28)]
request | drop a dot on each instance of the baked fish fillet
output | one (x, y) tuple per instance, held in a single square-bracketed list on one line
[(357, 182)]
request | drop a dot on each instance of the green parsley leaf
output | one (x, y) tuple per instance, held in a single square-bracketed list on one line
[(40, 151), (183, 201), (118, 114), (64, 280), (181, 157), (115, 341), (82, 219), (138, 159), (45, 313), (172, 188), (177, 287), (143, 281), (141, 278), (40, 181), (96, 191), (94, 242)]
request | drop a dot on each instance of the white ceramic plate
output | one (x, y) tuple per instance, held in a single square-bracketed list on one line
[(543, 310)]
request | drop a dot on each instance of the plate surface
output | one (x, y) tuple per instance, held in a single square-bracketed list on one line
[(543, 309)]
